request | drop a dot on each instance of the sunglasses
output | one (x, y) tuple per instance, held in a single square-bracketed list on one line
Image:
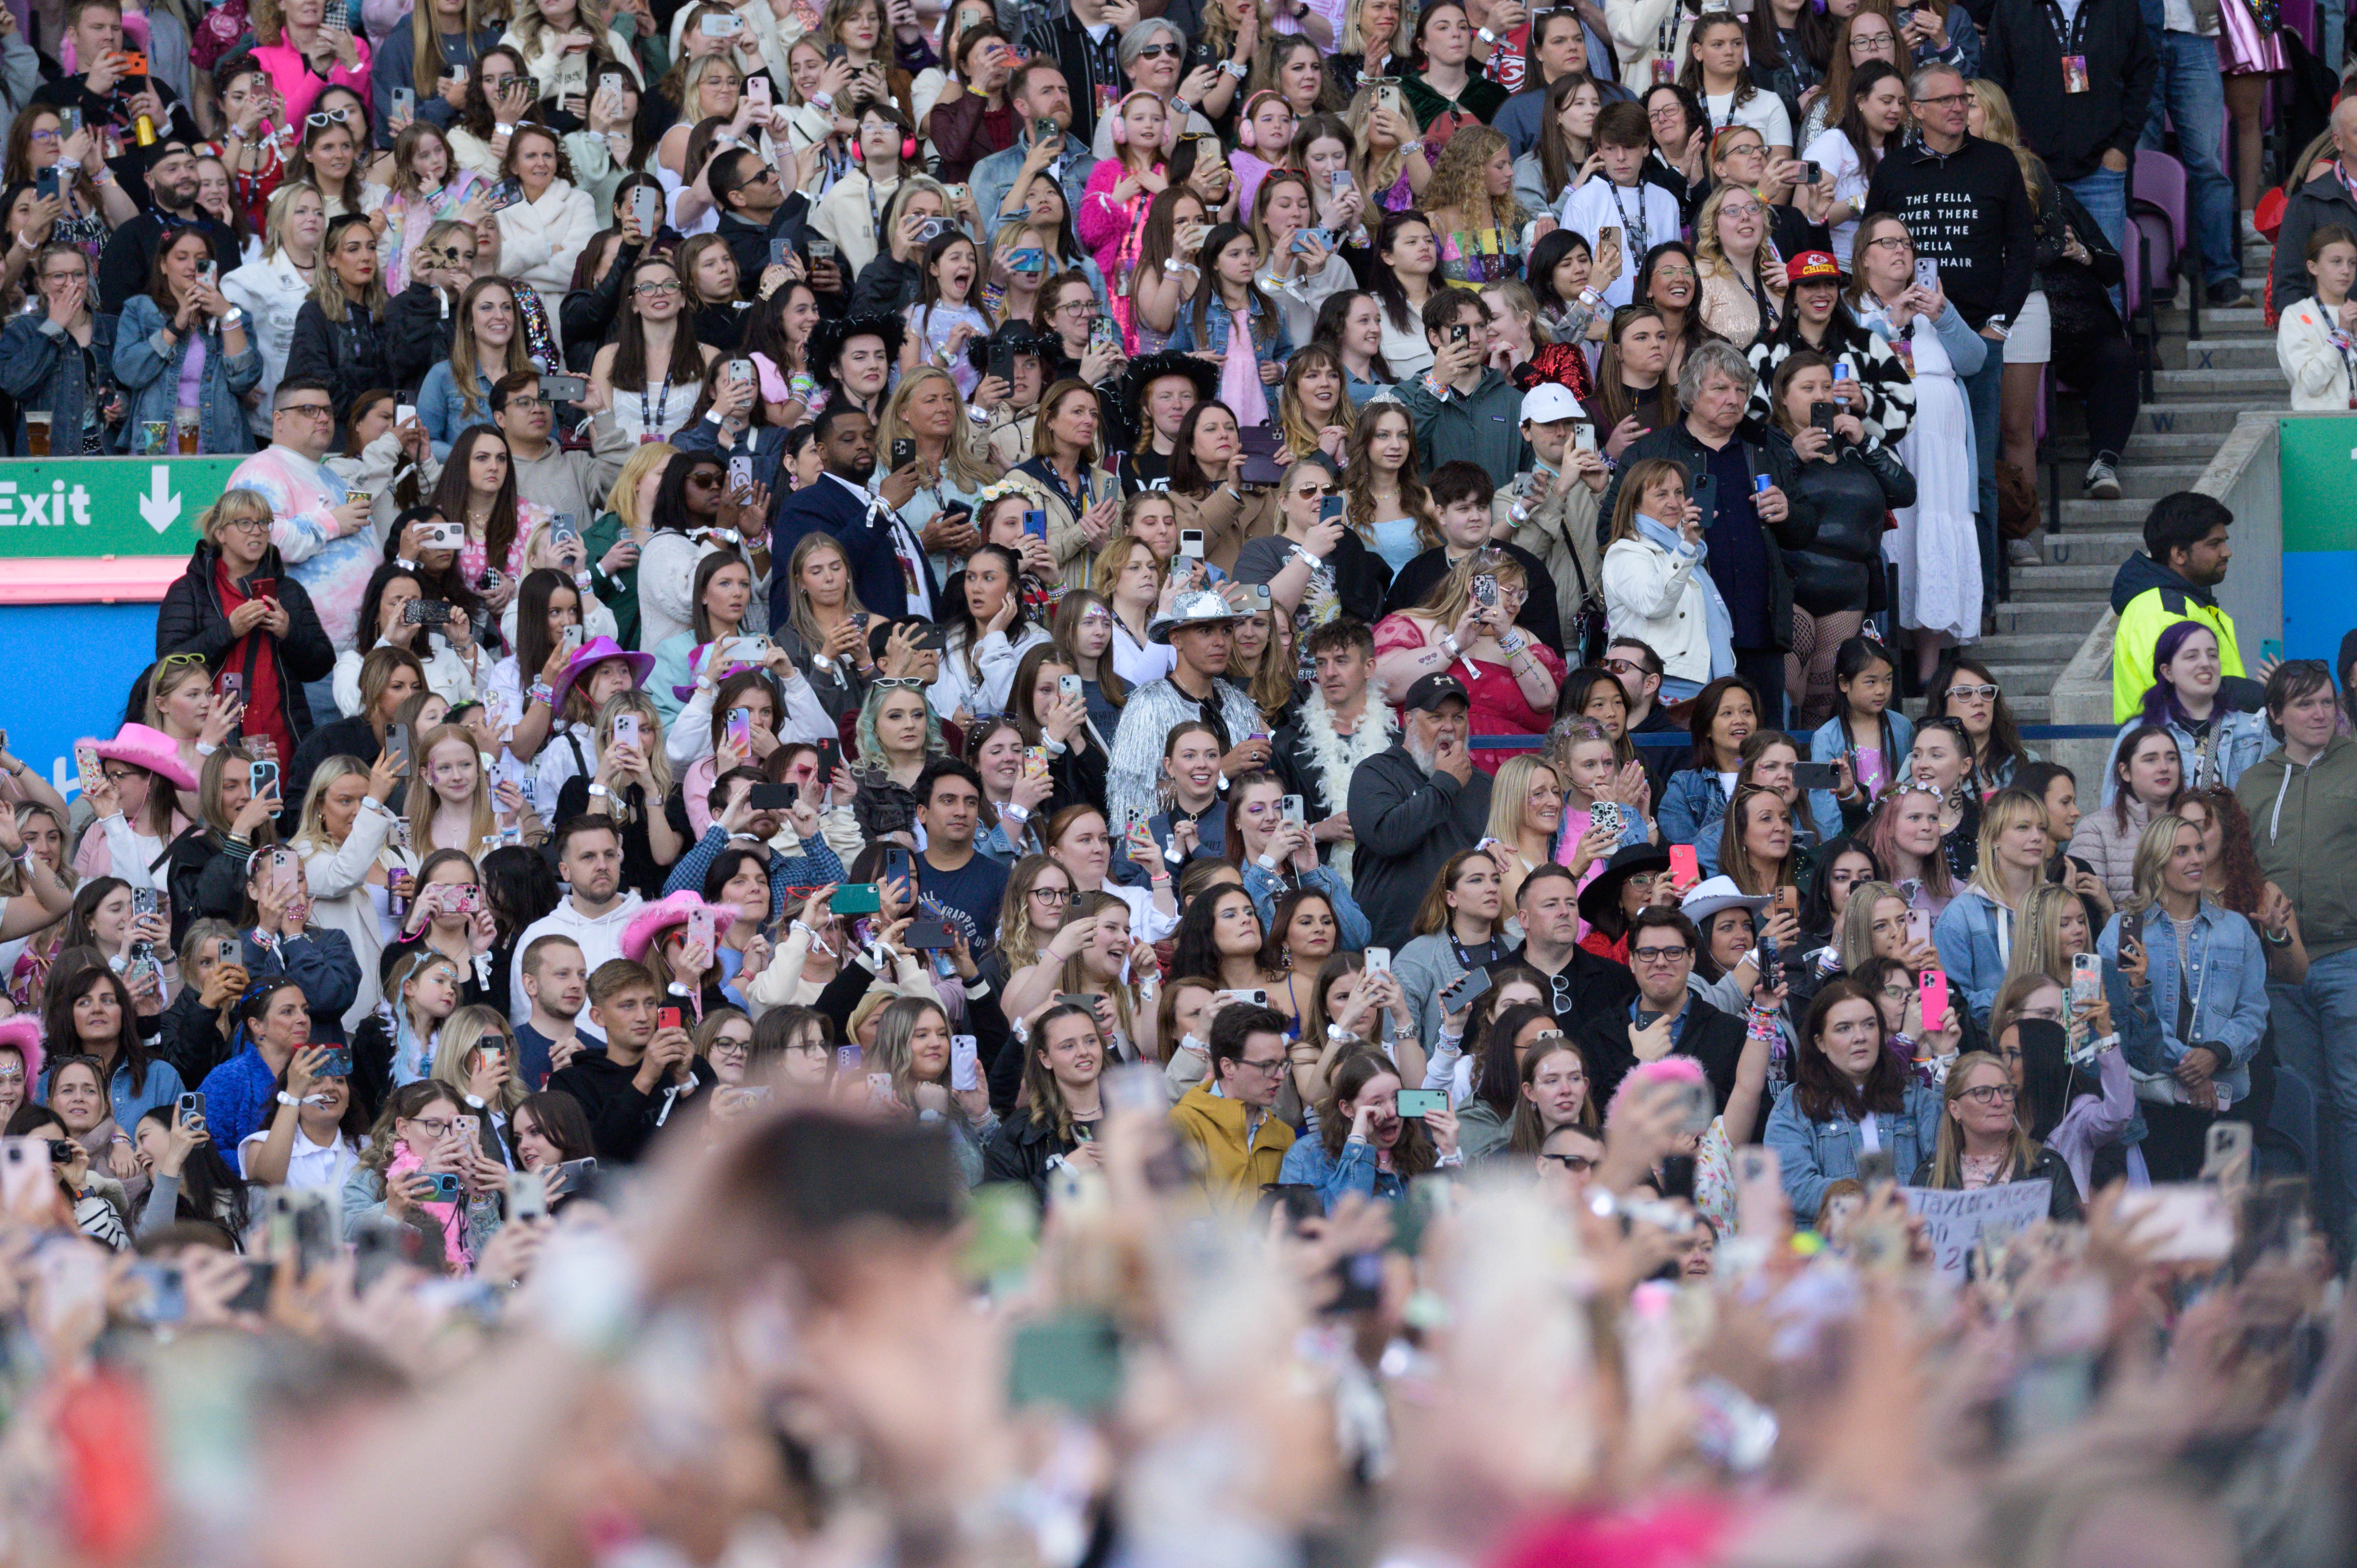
[(1986, 694), (899, 683), (320, 119)]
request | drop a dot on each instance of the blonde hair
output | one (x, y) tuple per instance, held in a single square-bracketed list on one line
[(2154, 846), (961, 465), (2001, 126), (423, 801), (2038, 935), (2006, 809), (651, 742), (234, 506), (1509, 789), (1948, 1161), (1373, 177), (1447, 603), (327, 289), (1458, 185), (167, 679), (623, 501), (461, 1036), (1710, 259), (311, 835), (1855, 938)]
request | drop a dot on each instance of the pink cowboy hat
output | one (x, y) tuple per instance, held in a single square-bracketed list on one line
[(593, 653), (150, 749), (21, 1032), (656, 919)]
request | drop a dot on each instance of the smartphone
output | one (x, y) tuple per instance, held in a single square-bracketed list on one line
[(898, 868), (904, 452), (1379, 960), (1918, 927), (2086, 979), (1759, 1191), (1413, 1103), (558, 388), (1460, 332), (466, 897), (717, 24), (740, 728), (1810, 172), (1934, 987), (646, 208), (443, 1188), (265, 775), (609, 82), (1460, 993), (1815, 775), (700, 923), (1071, 688), (757, 88), (1072, 1360), (1927, 273), (441, 536), (857, 899), (503, 196), (1821, 415), (1190, 543), (1685, 866), (579, 1174), (773, 796), (2227, 1152), (1706, 497), (1044, 129), (929, 936), (1877, 1168), (165, 1298), (45, 184), (338, 1063), (666, 1018), (1607, 816), (820, 250), (405, 102), (2271, 649), (741, 475), (626, 729), (2131, 928), (189, 1107), (2184, 1222), (527, 1195), (965, 1062)]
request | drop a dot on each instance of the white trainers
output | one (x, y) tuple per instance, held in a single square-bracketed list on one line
[(2103, 482), (2023, 553)]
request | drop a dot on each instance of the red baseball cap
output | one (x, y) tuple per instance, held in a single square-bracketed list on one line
[(1810, 266)]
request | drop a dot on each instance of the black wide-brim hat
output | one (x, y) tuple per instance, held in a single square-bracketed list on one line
[(1145, 370), (1603, 893), (827, 338)]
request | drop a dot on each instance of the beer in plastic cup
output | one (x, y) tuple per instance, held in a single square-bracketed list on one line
[(186, 423), (36, 432)]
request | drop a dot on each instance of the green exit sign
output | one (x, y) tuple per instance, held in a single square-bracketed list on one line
[(106, 505)]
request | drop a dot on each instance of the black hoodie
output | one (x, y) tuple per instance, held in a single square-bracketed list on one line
[(622, 1119), (2072, 130), (1969, 211)]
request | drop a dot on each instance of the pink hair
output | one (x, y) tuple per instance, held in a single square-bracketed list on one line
[(1674, 1070)]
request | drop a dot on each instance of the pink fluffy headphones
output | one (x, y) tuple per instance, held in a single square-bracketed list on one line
[(907, 149), (1247, 134), (1120, 127)]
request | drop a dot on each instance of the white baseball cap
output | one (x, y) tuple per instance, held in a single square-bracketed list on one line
[(1548, 402)]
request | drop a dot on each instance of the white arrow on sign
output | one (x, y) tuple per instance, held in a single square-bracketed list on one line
[(159, 506)]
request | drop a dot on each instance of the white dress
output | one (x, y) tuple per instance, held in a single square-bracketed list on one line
[(1937, 542), (658, 410)]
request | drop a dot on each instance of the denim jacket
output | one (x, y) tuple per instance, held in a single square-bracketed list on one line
[(1352, 931), (1692, 804), (40, 368), (1270, 348), (1975, 937), (2230, 992), (1308, 1163), (150, 374), (1832, 739), (1815, 1154)]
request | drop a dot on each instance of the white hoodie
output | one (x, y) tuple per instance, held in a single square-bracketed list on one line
[(599, 938)]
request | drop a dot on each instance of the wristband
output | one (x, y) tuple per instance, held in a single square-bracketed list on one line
[(1011, 810), (287, 1099), (1486, 36), (823, 100), (1181, 108), (1232, 68), (540, 690)]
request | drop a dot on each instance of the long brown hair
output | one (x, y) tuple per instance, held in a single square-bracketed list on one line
[(450, 493), (466, 354), (1412, 1155), (1820, 1092), (1735, 858), (1613, 402), (1526, 1133), (1359, 477), (629, 368)]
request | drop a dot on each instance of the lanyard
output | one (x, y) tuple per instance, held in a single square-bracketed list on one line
[(876, 219), (660, 405), (1636, 226), (2070, 32), (1465, 957)]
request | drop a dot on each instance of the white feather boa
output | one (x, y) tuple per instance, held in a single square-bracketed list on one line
[(1333, 757)]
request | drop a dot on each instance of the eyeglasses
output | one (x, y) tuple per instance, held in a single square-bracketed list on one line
[(1625, 666), (1986, 694), (1658, 955), (529, 402), (1577, 1164), (1320, 491), (318, 119), (652, 289), (1268, 1068), (1893, 241), (1991, 1095), (310, 410), (46, 136), (1052, 894), (734, 1048), (1947, 100), (248, 524), (433, 1126)]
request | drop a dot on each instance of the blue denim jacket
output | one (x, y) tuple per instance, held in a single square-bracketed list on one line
[(1832, 739), (1815, 1154), (1353, 932), (151, 376), (1268, 348), (1975, 937), (2230, 992), (161, 1086), (1692, 804), (40, 367), (1308, 1163), (443, 411)]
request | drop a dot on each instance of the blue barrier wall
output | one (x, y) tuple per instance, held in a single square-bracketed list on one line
[(72, 669)]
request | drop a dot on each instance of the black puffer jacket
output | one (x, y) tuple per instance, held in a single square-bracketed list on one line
[(416, 335), (348, 355), (1841, 568), (191, 620)]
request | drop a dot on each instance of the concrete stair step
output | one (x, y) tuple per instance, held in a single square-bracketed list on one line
[(2104, 547), (2069, 617), (2242, 321), (2206, 416), (2255, 386), (2196, 446), (2031, 649), (2079, 580), (2250, 353), (2151, 481)]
